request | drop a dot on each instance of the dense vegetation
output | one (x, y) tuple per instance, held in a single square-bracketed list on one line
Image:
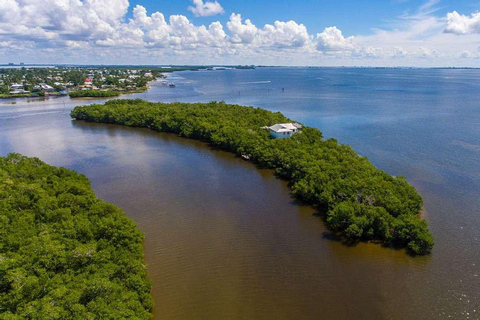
[(15, 95), (64, 254), (93, 94), (358, 200)]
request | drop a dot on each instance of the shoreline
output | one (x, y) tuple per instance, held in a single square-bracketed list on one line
[(25, 96), (29, 95)]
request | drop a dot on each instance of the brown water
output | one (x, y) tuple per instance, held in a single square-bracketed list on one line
[(224, 240)]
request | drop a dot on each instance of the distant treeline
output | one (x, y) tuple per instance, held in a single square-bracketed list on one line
[(93, 94), (358, 201), (64, 253)]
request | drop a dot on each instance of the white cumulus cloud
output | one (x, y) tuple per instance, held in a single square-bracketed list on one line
[(285, 34), (281, 34), (205, 9), (461, 24), (332, 39), (241, 32)]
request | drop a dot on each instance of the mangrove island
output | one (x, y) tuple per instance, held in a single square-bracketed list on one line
[(64, 253), (358, 201)]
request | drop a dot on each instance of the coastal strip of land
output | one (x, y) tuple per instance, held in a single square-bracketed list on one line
[(358, 201), (85, 81), (75, 81), (64, 253)]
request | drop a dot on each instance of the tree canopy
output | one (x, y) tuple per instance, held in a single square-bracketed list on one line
[(358, 201), (93, 93), (64, 253)]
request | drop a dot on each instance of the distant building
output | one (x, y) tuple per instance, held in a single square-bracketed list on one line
[(19, 91), (16, 86), (88, 87), (284, 130), (44, 87), (88, 81)]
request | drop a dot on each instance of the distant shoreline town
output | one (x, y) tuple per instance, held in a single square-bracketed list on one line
[(17, 81)]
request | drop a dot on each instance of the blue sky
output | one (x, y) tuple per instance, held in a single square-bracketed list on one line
[(352, 17), (322, 32)]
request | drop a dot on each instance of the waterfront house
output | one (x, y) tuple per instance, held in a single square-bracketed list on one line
[(19, 91), (46, 88), (87, 87), (16, 86), (284, 130)]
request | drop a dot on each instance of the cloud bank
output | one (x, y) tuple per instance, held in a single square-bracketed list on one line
[(93, 31)]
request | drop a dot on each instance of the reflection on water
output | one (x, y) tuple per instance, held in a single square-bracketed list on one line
[(225, 240)]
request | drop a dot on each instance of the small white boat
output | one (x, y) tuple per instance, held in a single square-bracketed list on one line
[(246, 156)]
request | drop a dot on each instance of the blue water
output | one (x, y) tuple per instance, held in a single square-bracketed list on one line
[(423, 124)]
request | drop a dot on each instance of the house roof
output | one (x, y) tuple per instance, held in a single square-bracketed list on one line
[(284, 127)]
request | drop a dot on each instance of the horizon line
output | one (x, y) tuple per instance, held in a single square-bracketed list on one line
[(229, 65)]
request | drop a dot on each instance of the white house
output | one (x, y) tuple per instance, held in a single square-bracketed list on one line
[(45, 87), (19, 91), (284, 130), (16, 86)]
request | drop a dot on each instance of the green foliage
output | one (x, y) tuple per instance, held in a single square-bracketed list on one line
[(4, 89), (93, 93), (64, 254), (360, 201)]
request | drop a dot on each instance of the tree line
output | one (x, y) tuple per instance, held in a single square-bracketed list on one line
[(358, 201), (93, 93)]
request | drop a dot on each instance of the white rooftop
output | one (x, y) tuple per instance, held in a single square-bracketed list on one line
[(285, 127)]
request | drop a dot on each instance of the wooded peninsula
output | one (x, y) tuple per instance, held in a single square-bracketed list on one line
[(357, 201), (64, 253)]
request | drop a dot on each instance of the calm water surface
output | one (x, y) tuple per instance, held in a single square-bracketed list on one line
[(224, 240)]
